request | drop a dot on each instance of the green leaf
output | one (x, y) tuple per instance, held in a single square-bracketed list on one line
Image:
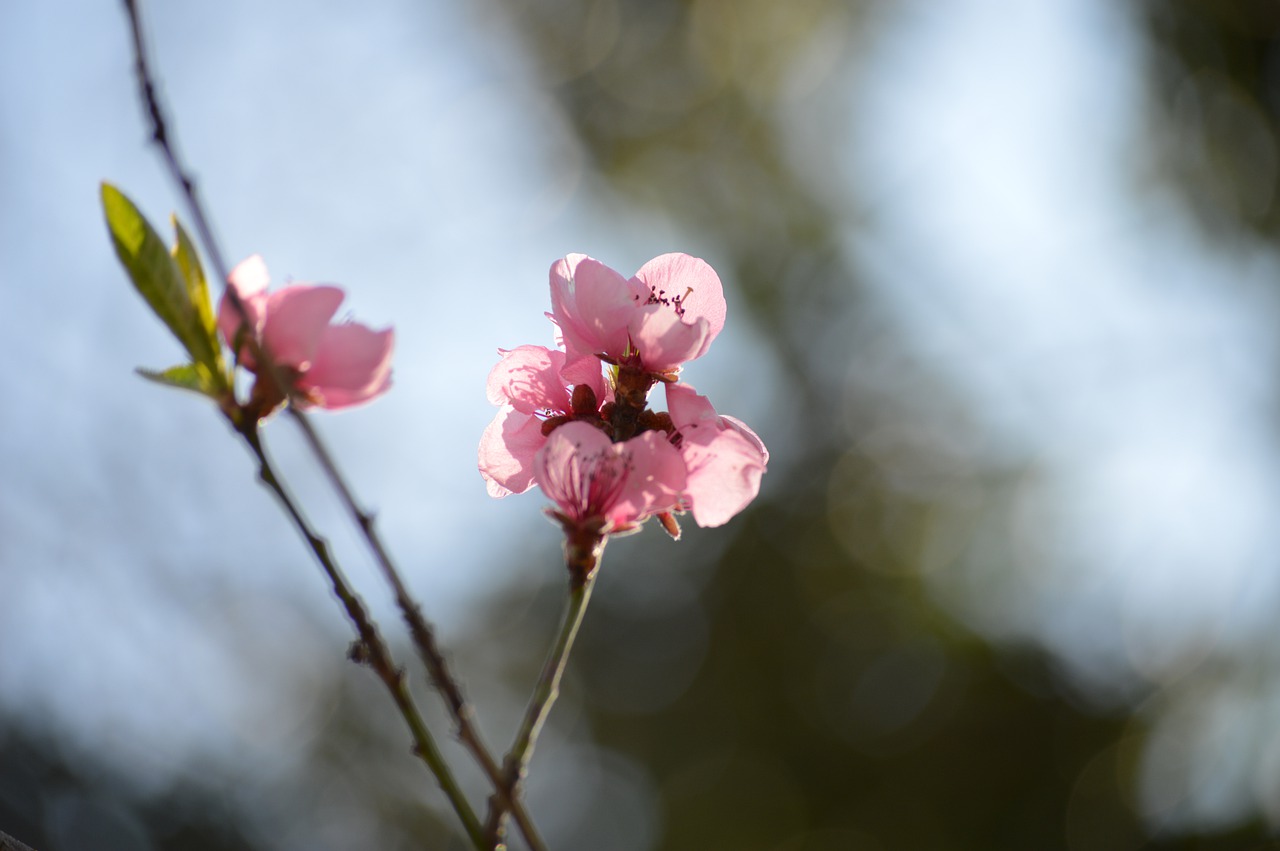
[(157, 276), (188, 376), (188, 259)]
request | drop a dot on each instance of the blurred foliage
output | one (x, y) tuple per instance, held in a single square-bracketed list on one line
[(356, 785), (1215, 80), (51, 802), (832, 704)]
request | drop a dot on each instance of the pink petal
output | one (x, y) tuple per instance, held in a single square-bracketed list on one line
[(592, 304), (724, 474), (685, 406), (507, 450), (296, 320), (656, 481), (745, 430), (605, 301), (579, 471), (586, 370), (352, 365), (529, 379), (725, 459), (664, 340), (250, 277), (694, 284), (249, 280), (570, 332)]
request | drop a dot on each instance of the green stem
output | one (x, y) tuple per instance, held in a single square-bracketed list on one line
[(544, 696), (371, 649), (582, 563)]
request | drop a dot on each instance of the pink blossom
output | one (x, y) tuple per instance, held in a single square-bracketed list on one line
[(333, 365), (668, 313), (507, 448), (592, 480), (724, 458), (533, 384)]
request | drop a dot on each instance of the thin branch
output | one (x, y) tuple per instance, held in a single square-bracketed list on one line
[(582, 558), (422, 633), (168, 148), (437, 668), (371, 649)]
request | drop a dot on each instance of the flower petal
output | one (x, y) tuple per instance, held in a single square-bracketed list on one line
[(507, 450), (249, 280), (577, 469), (592, 305), (250, 277), (352, 366), (664, 340), (739, 425), (724, 474), (586, 370), (529, 379), (725, 459), (297, 317), (686, 406), (688, 287), (656, 481)]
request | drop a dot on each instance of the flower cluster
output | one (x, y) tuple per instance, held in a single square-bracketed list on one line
[(575, 420)]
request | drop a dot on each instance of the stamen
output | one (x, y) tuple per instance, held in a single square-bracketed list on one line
[(592, 484), (675, 302)]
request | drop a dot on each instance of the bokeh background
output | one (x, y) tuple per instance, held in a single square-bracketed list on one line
[(1002, 292)]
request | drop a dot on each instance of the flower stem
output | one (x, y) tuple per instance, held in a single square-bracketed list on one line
[(371, 648), (582, 563)]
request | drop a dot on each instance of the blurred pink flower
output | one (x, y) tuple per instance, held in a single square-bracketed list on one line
[(724, 458), (668, 313), (533, 384), (615, 486), (332, 366)]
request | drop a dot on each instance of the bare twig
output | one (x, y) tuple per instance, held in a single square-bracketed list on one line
[(421, 631), (371, 649)]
